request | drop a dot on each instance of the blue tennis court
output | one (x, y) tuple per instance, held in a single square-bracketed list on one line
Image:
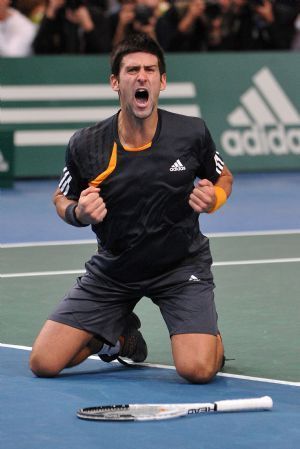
[(255, 243), (41, 412)]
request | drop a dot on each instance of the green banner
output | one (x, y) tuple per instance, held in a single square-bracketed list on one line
[(250, 102)]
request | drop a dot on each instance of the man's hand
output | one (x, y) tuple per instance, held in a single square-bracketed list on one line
[(203, 197), (81, 17), (266, 11), (91, 208)]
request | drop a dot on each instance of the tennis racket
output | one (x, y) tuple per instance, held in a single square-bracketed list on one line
[(149, 412)]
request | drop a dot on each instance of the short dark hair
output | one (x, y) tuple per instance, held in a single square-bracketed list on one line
[(134, 43)]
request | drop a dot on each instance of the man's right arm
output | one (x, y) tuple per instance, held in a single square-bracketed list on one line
[(89, 209)]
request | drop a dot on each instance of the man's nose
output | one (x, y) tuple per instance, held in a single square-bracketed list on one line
[(142, 76)]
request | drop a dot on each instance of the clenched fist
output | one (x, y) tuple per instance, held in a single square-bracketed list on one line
[(203, 197), (91, 208)]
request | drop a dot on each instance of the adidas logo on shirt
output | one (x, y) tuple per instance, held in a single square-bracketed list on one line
[(266, 122), (194, 278), (177, 166)]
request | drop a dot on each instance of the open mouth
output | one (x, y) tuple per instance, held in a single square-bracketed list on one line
[(141, 96)]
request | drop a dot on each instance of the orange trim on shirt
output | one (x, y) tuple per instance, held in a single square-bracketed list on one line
[(144, 147), (111, 166)]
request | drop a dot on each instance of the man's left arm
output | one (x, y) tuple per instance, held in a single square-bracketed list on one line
[(208, 197)]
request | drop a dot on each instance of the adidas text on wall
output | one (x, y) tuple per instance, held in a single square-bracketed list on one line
[(266, 123)]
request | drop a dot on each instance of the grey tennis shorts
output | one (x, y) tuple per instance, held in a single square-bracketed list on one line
[(100, 305)]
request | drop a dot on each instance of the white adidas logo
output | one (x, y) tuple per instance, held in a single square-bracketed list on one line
[(194, 278), (268, 122), (177, 166)]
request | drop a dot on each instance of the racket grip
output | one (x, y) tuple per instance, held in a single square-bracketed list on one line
[(236, 405)]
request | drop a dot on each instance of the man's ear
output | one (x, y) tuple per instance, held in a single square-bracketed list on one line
[(163, 81), (114, 82)]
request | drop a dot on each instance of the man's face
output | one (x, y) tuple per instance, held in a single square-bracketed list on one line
[(139, 84)]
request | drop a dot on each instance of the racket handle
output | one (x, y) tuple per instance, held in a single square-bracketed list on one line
[(236, 405)]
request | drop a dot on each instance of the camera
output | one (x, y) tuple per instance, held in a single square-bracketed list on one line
[(143, 14), (74, 4)]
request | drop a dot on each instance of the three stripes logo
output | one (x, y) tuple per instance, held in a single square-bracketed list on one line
[(177, 166), (64, 184), (219, 163), (266, 122)]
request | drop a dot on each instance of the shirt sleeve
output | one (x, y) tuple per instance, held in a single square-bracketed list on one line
[(212, 164), (70, 184)]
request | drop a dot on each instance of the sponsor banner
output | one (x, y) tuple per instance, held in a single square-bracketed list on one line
[(264, 128), (250, 103)]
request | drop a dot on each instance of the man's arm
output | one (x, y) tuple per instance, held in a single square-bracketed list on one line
[(206, 195), (89, 209)]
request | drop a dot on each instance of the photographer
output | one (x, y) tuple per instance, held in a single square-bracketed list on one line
[(263, 24), (218, 14), (183, 27), (285, 13), (16, 32), (135, 16), (72, 26)]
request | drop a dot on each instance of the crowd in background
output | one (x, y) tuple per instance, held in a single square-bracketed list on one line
[(51, 27)]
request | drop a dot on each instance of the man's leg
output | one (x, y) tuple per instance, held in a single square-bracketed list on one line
[(197, 357), (59, 346)]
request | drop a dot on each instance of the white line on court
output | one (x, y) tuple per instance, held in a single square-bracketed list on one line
[(40, 273), (153, 365), (90, 241), (256, 261), (254, 233), (52, 243), (215, 264)]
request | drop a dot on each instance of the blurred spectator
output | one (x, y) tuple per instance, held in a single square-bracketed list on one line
[(296, 38), (219, 14), (183, 27), (72, 26), (135, 16), (263, 24), (250, 25), (89, 26), (16, 31), (33, 9), (121, 22), (213, 25), (285, 22)]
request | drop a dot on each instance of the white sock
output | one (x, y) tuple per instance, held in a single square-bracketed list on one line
[(110, 350)]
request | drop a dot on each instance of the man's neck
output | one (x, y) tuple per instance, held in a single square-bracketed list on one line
[(135, 133)]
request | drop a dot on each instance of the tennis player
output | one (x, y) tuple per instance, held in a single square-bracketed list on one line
[(140, 178)]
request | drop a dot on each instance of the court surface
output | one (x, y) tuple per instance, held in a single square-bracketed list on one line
[(255, 244)]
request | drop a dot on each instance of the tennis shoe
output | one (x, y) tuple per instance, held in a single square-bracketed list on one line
[(133, 345)]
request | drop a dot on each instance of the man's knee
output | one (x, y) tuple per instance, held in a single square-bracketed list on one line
[(42, 366), (196, 372)]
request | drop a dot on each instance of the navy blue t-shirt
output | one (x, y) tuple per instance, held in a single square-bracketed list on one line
[(150, 227)]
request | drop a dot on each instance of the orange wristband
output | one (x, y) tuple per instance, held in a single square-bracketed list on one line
[(221, 199)]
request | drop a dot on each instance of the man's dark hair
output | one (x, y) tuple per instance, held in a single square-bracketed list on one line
[(137, 42)]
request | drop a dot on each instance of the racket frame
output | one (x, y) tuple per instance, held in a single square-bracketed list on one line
[(147, 412)]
